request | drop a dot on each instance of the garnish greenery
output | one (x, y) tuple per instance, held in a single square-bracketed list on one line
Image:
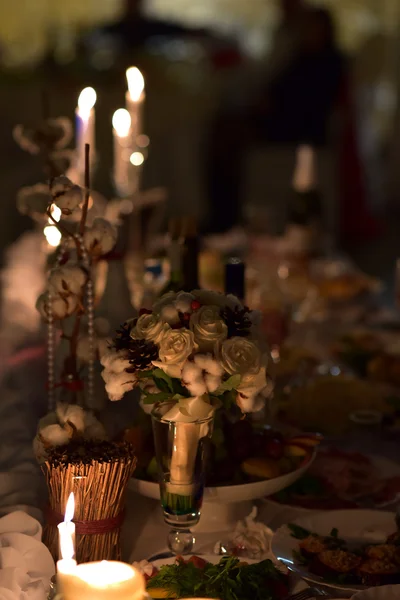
[(299, 532), (228, 580)]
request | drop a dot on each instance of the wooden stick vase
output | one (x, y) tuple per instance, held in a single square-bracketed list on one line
[(97, 473)]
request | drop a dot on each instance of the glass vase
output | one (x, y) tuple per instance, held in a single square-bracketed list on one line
[(182, 450)]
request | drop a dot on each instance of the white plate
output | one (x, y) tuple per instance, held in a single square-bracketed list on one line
[(356, 526), (214, 559), (230, 493), (385, 592)]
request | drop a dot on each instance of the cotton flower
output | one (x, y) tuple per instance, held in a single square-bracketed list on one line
[(183, 302), (52, 134), (168, 298), (34, 200), (208, 327), (150, 327), (101, 238), (175, 347), (67, 280), (66, 195), (115, 360), (169, 314), (59, 306), (117, 384), (202, 375)]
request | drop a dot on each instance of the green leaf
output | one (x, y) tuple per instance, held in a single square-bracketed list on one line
[(144, 374), (230, 384), (161, 397), (162, 381)]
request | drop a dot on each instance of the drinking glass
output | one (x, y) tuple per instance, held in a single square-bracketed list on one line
[(181, 453)]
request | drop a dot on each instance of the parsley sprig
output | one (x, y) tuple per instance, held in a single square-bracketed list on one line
[(227, 580)]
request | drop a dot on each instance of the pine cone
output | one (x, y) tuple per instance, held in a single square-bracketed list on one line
[(141, 355), (237, 320), (123, 338)]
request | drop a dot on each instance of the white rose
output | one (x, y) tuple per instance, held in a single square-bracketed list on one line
[(151, 328), (175, 347), (239, 355), (208, 327), (216, 299), (101, 238), (66, 280), (183, 302)]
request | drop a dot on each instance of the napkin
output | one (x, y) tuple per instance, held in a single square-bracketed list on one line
[(26, 565)]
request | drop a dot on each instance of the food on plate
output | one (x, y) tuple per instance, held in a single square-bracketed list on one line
[(229, 579), (339, 561), (325, 403), (337, 480), (239, 452)]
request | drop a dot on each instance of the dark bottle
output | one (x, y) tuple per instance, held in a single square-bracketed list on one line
[(190, 254), (305, 202), (235, 278), (175, 251)]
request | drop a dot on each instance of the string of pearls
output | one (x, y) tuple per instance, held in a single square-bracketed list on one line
[(90, 320), (51, 379), (51, 345)]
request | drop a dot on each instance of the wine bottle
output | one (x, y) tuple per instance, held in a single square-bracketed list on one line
[(190, 254), (305, 204), (174, 251), (235, 278)]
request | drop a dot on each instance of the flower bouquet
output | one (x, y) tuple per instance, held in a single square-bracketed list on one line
[(192, 354)]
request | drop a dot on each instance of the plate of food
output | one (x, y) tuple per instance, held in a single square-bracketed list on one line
[(254, 463), (213, 576), (346, 551), (340, 479)]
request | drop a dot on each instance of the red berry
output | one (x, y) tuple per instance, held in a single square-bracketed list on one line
[(198, 562), (274, 448), (144, 311), (195, 305)]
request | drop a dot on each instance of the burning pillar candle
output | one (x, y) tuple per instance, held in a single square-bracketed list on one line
[(134, 101), (67, 564), (66, 529), (105, 580), (122, 151), (85, 126)]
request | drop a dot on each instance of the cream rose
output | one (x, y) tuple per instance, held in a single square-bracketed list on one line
[(208, 327), (151, 328), (217, 299), (175, 347), (239, 355)]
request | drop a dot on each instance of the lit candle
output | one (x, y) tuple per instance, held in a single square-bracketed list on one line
[(104, 580), (66, 529), (122, 151), (134, 100), (85, 126), (66, 565)]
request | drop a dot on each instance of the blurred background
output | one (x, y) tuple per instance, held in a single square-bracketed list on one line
[(233, 88)]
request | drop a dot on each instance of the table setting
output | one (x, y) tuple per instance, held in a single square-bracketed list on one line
[(201, 438)]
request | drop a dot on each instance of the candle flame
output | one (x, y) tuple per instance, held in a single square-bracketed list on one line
[(52, 235), (70, 508), (136, 159), (135, 83), (87, 99), (121, 122)]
